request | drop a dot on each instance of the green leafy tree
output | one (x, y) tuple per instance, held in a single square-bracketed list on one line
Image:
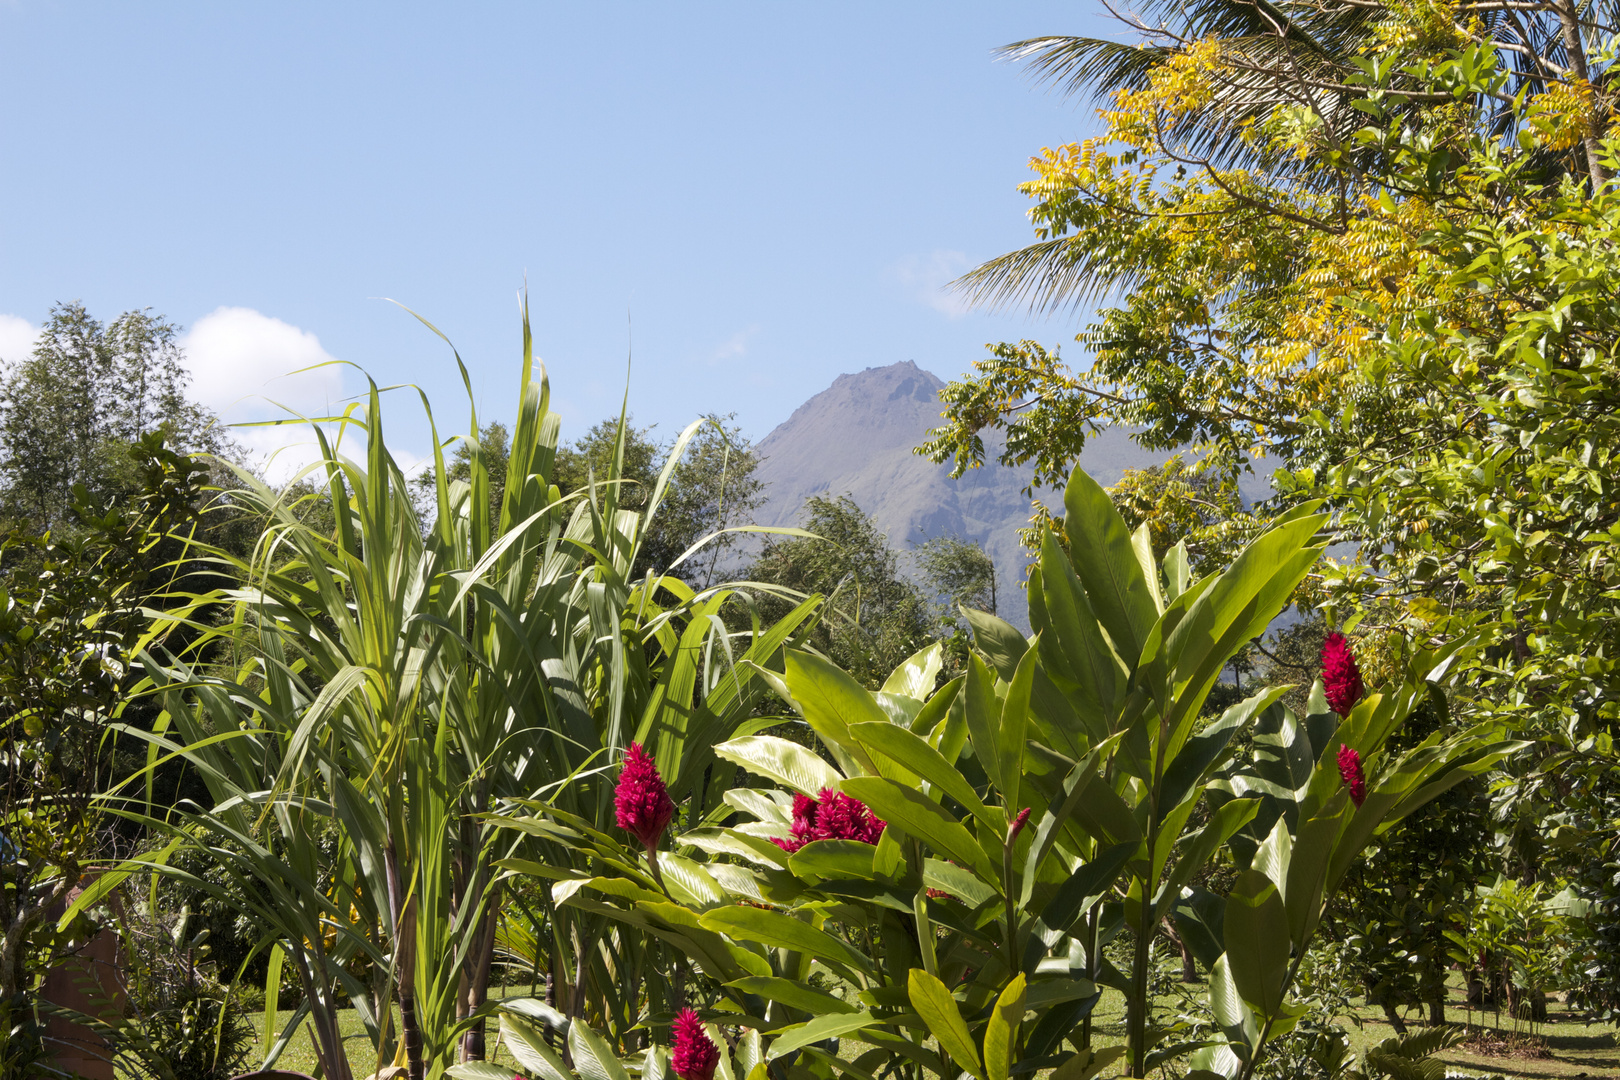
[(963, 576), (88, 391), (875, 616), (959, 571), (712, 489), (1411, 314), (72, 616)]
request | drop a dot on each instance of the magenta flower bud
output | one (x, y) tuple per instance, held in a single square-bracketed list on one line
[(1351, 775), (1341, 678), (695, 1055), (1017, 825), (642, 805)]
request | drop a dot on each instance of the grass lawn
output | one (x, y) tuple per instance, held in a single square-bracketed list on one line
[(1571, 1048)]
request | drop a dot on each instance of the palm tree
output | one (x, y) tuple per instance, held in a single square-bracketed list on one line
[(1277, 54)]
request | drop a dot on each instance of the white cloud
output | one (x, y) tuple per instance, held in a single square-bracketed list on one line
[(248, 366), (736, 345), (242, 360), (925, 277), (17, 338)]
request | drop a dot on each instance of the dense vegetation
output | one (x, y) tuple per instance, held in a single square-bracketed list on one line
[(378, 743)]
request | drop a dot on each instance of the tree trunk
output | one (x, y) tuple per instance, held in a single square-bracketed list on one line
[(1575, 53)]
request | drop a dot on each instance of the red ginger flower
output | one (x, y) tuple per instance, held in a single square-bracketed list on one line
[(1352, 776), (1017, 825), (1341, 678), (831, 815), (695, 1055), (641, 804)]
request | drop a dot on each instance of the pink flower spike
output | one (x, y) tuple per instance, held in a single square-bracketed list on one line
[(695, 1055), (1341, 678), (1018, 824), (841, 817), (641, 804), (1352, 776), (831, 815)]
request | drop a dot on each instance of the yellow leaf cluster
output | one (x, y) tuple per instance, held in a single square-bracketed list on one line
[(1562, 114), (1179, 87), (1420, 26)]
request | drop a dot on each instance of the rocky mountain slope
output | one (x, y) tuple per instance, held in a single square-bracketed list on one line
[(856, 437)]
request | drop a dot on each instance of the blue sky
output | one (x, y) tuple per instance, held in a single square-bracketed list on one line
[(768, 194)]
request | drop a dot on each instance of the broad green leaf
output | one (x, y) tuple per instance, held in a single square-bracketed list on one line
[(1205, 750), (1273, 857), (900, 709), (793, 994), (1088, 1063), (1142, 544), (983, 713), (933, 1002), (916, 675), (822, 859), (1014, 721), (1215, 1063), (829, 699), (936, 708), (1085, 887), (1074, 649), (1001, 1033), (923, 760), (733, 842), (1211, 622), (1177, 571), (1307, 869), (1257, 945), (998, 641), (690, 880), (528, 1046), (960, 883), (920, 817), (781, 931), (479, 1070), (1234, 1016), (831, 1026), (593, 1057), (760, 804), (1105, 561), (1104, 815), (1044, 993), (1195, 850), (272, 995), (786, 762), (1200, 918)]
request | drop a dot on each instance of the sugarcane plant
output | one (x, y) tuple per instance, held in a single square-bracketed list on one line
[(402, 678)]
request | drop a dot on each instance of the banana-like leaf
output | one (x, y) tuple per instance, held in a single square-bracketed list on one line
[(785, 762), (830, 1026), (1001, 1031), (1257, 948), (933, 1002), (779, 931), (918, 816)]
